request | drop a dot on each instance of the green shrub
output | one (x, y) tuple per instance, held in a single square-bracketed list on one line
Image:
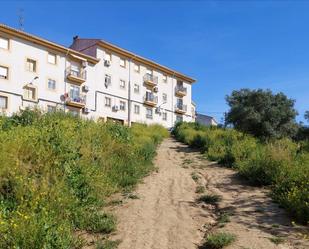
[(56, 170), (281, 164), (209, 198), (219, 240)]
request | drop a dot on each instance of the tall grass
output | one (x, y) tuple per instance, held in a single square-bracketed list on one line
[(56, 171), (281, 164)]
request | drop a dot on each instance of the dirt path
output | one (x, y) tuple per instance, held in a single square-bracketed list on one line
[(166, 216)]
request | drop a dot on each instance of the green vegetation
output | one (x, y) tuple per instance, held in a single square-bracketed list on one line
[(218, 240), (277, 240), (223, 219), (281, 164), (195, 176), (200, 189), (57, 170), (209, 198), (262, 114)]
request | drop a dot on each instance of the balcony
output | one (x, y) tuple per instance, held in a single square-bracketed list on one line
[(180, 108), (150, 99), (78, 101), (150, 80), (76, 75), (180, 91)]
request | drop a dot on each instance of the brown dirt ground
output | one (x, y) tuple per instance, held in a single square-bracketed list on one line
[(166, 215)]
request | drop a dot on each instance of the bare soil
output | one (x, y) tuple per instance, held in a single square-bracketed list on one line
[(163, 212)]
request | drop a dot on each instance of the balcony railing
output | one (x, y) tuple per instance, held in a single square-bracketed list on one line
[(181, 91), (75, 75), (76, 100), (150, 99), (180, 108), (150, 79)]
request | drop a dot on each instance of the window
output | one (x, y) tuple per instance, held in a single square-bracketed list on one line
[(51, 84), (108, 57), (52, 58), (165, 78), (164, 97), (4, 43), (149, 113), (4, 72), (108, 101), (149, 71), (122, 105), (122, 84), (136, 68), (179, 119), (3, 102), (75, 93), (30, 92), (164, 116), (136, 109), (122, 62), (51, 108), (31, 65), (136, 88), (108, 80)]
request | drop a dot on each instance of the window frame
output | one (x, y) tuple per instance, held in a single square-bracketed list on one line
[(137, 107), (138, 66), (9, 43), (27, 88), (124, 61), (53, 54), (164, 116), (124, 84), (138, 88), (147, 115), (36, 65), (7, 102), (122, 104), (108, 54), (51, 89), (165, 78), (106, 102), (8, 72)]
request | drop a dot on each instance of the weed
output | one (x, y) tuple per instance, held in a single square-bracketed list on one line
[(210, 199), (195, 176), (200, 189), (133, 196), (223, 219), (218, 240), (277, 240), (107, 244)]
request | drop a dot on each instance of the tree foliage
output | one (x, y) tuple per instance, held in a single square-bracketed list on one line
[(307, 115), (262, 113)]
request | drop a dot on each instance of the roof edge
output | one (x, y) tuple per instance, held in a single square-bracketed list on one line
[(43, 42)]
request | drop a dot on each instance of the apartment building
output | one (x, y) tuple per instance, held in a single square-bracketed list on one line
[(91, 78)]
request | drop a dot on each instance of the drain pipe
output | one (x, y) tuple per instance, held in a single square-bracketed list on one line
[(173, 93), (129, 92), (65, 77)]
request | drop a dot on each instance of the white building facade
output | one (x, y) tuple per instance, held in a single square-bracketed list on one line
[(92, 78)]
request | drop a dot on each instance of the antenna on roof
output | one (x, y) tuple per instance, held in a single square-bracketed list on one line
[(21, 19)]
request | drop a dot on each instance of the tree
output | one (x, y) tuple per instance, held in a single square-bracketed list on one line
[(307, 115), (262, 113)]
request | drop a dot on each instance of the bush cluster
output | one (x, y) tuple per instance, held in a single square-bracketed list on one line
[(56, 170), (281, 164)]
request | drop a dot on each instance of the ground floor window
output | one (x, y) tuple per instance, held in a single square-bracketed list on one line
[(149, 113), (3, 102), (136, 109)]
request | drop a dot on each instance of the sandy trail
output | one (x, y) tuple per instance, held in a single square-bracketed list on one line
[(166, 215)]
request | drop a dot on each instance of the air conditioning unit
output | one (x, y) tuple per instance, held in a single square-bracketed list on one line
[(86, 88), (86, 110), (155, 89), (107, 63), (84, 64), (158, 110), (115, 108)]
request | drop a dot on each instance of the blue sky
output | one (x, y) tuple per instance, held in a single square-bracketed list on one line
[(225, 45)]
